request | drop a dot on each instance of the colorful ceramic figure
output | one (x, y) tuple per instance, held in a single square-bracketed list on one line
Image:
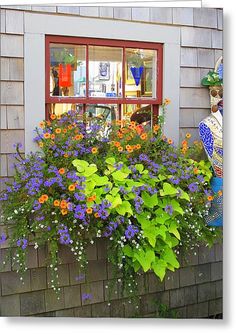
[(211, 134)]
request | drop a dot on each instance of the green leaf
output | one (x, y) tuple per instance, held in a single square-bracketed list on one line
[(173, 229), (114, 191), (127, 250), (176, 206), (168, 189), (184, 195), (100, 181), (90, 170), (149, 201), (115, 201), (159, 267), (145, 258), (124, 208), (161, 177), (80, 165), (120, 176), (110, 161), (170, 257), (139, 167)]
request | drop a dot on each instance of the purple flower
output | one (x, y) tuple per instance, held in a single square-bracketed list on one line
[(131, 231), (65, 238), (22, 243), (193, 187), (80, 277), (200, 178), (169, 209), (3, 238), (86, 296)]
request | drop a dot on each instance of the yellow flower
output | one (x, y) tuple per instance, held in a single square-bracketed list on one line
[(210, 198), (46, 135), (53, 117), (170, 141), (188, 135), (64, 211), (167, 101), (143, 136), (58, 131), (71, 187), (94, 150), (89, 210), (56, 203)]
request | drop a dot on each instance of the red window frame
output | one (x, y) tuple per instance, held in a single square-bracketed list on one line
[(109, 43)]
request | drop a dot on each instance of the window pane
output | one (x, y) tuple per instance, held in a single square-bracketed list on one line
[(140, 70), (107, 113), (67, 70), (60, 109), (105, 71), (141, 114)]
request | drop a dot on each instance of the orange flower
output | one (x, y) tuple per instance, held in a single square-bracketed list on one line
[(120, 149), (130, 150), (143, 136), (46, 135), (94, 150), (220, 193), (44, 197), (64, 131), (118, 122), (66, 155), (128, 147), (89, 210), (170, 141), (63, 204), (71, 187), (64, 211), (138, 146), (70, 127), (188, 135), (48, 123), (167, 101), (117, 144), (61, 170), (56, 203), (156, 128), (41, 201), (58, 130), (42, 124), (139, 129), (52, 136), (53, 117), (210, 198), (96, 215), (92, 198), (184, 143), (79, 137), (195, 170), (128, 138)]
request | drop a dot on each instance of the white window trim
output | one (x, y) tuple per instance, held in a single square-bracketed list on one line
[(39, 25)]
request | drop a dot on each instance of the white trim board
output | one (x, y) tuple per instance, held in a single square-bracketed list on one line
[(38, 25)]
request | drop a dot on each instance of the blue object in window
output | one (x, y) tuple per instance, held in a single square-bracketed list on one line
[(137, 73)]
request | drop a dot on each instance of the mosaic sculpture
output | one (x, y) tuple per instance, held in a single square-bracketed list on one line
[(211, 134)]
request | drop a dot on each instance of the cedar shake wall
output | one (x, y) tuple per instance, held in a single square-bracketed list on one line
[(195, 290)]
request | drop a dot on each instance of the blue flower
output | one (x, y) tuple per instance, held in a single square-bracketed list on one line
[(193, 187), (169, 209), (131, 231), (3, 238)]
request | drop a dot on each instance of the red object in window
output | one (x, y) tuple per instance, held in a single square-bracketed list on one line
[(65, 75)]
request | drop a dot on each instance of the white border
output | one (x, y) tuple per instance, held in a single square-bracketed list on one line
[(38, 25)]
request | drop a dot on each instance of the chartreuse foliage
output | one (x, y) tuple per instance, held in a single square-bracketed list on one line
[(133, 187), (160, 230)]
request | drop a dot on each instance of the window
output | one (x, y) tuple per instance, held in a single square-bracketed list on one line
[(113, 78)]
